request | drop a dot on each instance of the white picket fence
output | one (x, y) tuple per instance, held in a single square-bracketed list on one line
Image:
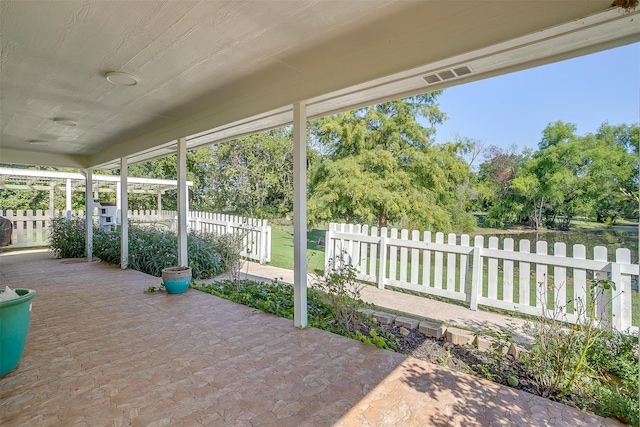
[(256, 233), (506, 278), (30, 229)]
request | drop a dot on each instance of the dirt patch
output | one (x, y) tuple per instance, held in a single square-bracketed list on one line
[(467, 358)]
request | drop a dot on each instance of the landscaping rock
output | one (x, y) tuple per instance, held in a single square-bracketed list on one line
[(384, 318), (404, 331), (407, 322), (515, 351), (459, 336), (432, 330), (483, 343)]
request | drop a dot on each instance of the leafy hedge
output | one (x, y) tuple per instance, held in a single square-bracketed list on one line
[(150, 250)]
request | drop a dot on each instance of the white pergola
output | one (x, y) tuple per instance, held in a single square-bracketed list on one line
[(97, 84), (69, 182)]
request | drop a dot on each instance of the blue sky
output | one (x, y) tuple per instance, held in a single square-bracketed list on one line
[(515, 108)]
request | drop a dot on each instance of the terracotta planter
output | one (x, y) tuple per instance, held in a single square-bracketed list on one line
[(176, 279)]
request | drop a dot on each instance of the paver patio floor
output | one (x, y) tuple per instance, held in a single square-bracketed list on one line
[(101, 352)]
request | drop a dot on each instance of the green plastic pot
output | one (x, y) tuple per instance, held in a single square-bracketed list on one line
[(15, 316)]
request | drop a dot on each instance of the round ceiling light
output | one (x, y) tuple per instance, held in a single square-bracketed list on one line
[(38, 142), (65, 122), (120, 78)]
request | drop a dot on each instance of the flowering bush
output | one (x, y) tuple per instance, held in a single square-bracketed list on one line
[(66, 237), (151, 250)]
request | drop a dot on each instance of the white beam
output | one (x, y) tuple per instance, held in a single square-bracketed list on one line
[(124, 219), (300, 214), (88, 214), (183, 194), (68, 198)]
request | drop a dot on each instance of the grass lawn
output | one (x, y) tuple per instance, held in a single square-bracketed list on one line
[(282, 248)]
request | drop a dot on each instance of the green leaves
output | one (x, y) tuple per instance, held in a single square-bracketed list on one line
[(569, 176), (378, 166)]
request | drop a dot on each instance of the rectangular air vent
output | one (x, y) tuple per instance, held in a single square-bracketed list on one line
[(447, 74), (461, 71), (432, 78)]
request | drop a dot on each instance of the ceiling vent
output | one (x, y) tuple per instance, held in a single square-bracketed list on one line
[(447, 74)]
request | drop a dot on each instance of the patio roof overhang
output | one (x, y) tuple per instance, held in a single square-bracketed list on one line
[(42, 180), (201, 72), (211, 71)]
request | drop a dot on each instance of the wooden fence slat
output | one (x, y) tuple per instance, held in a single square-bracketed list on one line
[(464, 265), (579, 280), (602, 298), (507, 272), (415, 258), (404, 235), (524, 280), (426, 261), (393, 256), (541, 276), (373, 254), (437, 268), (560, 279), (621, 297), (492, 271), (451, 264)]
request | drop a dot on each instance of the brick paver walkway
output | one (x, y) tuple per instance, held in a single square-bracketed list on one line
[(101, 352)]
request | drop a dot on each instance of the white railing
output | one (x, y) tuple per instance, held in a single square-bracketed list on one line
[(30, 229), (515, 279)]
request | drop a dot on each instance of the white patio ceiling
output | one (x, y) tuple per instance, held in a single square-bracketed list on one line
[(215, 70)]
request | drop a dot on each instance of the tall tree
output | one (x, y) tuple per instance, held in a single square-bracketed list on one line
[(254, 175), (570, 175), (378, 165)]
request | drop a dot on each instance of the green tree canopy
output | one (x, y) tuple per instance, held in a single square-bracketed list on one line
[(378, 165)]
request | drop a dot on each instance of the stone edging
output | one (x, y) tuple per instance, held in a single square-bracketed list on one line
[(455, 336)]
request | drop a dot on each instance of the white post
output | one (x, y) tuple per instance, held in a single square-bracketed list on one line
[(159, 202), (124, 215), (118, 198), (68, 197), (300, 214), (88, 215), (51, 202), (183, 195)]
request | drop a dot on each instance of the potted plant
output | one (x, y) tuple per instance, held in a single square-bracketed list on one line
[(176, 280)]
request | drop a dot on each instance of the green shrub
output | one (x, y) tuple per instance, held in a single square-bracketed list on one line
[(106, 246), (67, 237), (151, 250), (204, 257)]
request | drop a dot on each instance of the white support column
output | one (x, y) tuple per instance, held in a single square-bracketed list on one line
[(88, 212), (68, 198), (300, 214), (159, 202), (52, 207), (124, 217), (183, 195), (118, 198)]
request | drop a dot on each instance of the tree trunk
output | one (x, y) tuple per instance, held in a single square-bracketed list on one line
[(382, 217)]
